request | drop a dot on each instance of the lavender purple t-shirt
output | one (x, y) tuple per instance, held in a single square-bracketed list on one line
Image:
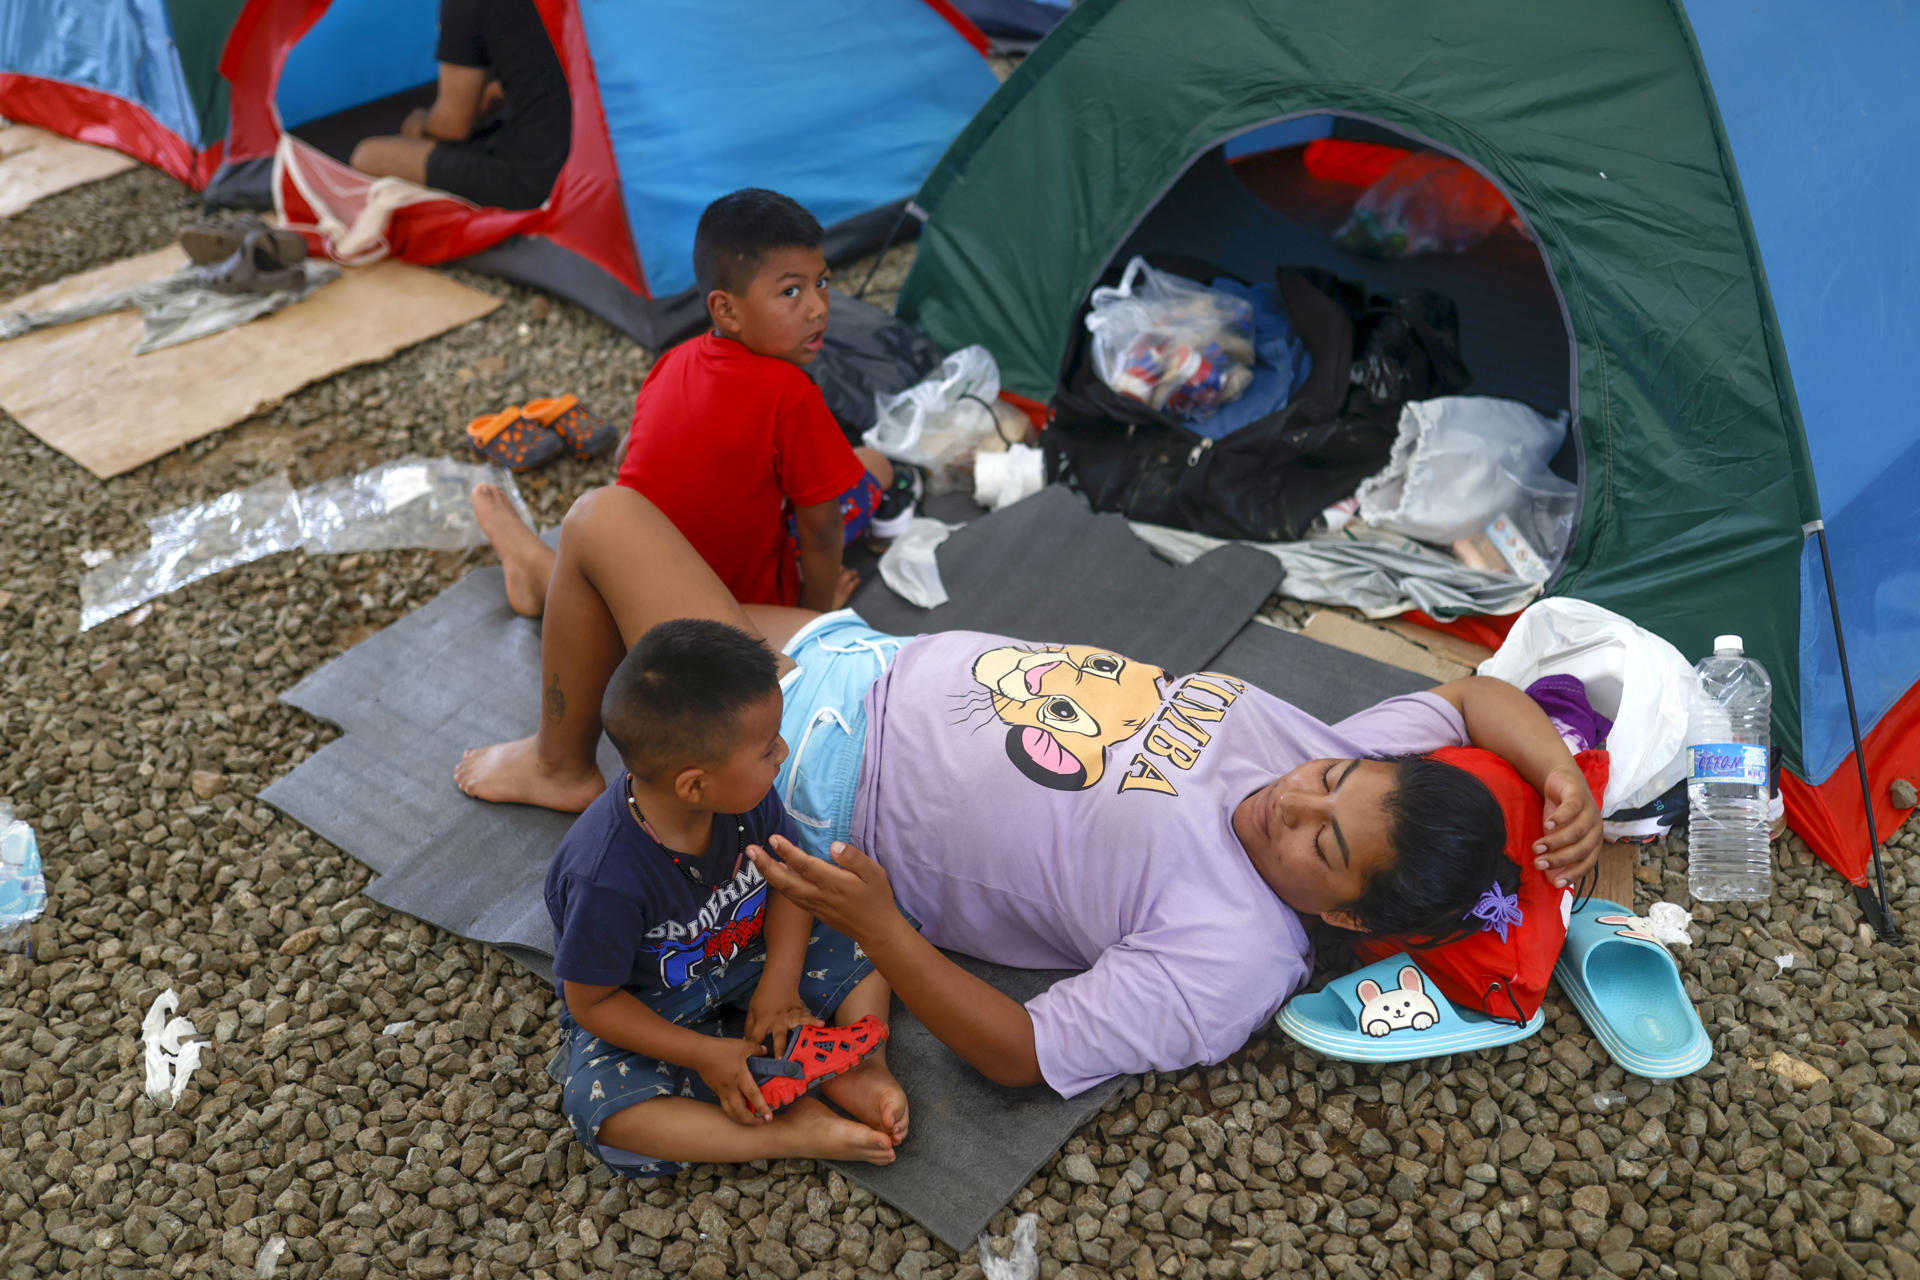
[(1064, 807)]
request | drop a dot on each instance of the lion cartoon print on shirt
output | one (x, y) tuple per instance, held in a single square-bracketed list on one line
[(1064, 706)]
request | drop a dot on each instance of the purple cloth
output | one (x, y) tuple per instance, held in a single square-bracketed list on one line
[(1064, 807), (1564, 699)]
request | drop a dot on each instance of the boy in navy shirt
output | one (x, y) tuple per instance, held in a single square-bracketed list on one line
[(661, 923)]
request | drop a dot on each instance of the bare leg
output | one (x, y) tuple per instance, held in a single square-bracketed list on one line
[(527, 560), (878, 463), (690, 1131), (393, 158), (622, 568), (777, 623), (869, 1093)]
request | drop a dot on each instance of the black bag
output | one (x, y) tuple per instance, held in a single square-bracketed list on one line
[(1268, 480), (867, 350)]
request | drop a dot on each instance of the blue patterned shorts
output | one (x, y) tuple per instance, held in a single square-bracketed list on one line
[(597, 1079)]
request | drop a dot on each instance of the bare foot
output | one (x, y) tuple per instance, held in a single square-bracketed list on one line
[(817, 1132), (527, 560), (514, 773), (871, 1095)]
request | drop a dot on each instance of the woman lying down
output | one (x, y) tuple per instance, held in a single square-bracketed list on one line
[(1059, 806)]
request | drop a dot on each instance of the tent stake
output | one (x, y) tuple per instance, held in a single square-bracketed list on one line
[(1878, 910)]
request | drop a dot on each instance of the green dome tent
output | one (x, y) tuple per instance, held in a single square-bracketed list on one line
[(1733, 329)]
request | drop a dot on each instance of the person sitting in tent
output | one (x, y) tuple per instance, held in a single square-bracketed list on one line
[(731, 438), (1060, 806), (501, 122)]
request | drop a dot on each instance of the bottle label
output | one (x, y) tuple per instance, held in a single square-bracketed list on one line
[(1744, 762)]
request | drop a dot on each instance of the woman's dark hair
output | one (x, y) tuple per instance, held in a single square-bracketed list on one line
[(676, 698), (1449, 845)]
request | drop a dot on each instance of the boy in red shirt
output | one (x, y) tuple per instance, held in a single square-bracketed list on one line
[(731, 439)]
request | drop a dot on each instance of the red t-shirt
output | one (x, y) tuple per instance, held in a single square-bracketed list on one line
[(723, 440)]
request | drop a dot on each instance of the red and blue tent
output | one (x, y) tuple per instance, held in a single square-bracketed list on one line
[(843, 104)]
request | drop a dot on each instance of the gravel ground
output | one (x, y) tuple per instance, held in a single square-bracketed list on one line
[(137, 750)]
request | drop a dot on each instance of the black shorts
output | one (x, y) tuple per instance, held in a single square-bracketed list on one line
[(489, 170)]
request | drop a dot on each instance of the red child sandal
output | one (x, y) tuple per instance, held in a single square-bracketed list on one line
[(584, 432), (815, 1055), (514, 440)]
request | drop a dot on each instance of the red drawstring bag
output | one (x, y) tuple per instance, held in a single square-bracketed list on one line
[(1503, 978)]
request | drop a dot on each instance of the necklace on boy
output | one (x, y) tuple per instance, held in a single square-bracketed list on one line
[(693, 877)]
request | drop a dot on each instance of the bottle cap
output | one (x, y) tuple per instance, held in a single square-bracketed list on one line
[(1722, 643)]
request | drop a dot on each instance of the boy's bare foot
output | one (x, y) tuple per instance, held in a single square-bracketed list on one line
[(514, 773), (527, 560), (817, 1132), (871, 1095)]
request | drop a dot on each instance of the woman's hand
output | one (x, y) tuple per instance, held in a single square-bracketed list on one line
[(1571, 843), (850, 894)]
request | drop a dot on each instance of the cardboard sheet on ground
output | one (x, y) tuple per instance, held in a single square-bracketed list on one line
[(36, 163), (111, 411), (410, 698)]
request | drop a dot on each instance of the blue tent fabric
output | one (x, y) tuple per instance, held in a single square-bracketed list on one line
[(359, 51), (1818, 104), (109, 45), (683, 136)]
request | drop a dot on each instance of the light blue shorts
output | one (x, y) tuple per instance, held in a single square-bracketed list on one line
[(825, 722)]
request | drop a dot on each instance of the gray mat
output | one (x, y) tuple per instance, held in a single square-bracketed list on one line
[(460, 672), (1327, 683)]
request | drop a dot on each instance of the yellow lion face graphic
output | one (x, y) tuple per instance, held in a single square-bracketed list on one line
[(1065, 705)]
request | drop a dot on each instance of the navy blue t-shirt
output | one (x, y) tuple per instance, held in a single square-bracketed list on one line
[(624, 915)]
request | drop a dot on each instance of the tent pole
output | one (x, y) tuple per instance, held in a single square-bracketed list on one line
[(906, 207), (1879, 910)]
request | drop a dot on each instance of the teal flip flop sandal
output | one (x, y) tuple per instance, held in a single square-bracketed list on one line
[(1627, 988), (1391, 1012)]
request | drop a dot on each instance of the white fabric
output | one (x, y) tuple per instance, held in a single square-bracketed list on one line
[(1632, 676)]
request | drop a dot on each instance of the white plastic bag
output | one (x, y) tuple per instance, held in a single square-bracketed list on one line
[(1632, 676), (909, 567), (938, 422), (1171, 343), (1461, 463)]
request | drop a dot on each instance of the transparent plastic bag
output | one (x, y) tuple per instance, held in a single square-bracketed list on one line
[(1426, 203), (1463, 463), (193, 543), (909, 566), (938, 422), (1171, 343), (413, 502), (23, 883)]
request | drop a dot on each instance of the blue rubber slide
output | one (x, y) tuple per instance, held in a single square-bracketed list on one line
[(1627, 988), (1391, 1012)]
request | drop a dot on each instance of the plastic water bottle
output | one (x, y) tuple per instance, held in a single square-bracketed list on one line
[(1728, 857)]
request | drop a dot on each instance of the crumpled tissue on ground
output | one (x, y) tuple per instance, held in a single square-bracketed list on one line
[(1021, 1262), (1668, 923), (172, 1055)]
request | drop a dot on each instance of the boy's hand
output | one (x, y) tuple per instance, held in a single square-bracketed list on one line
[(843, 590), (1571, 844), (415, 125), (851, 894), (724, 1070), (771, 1014)]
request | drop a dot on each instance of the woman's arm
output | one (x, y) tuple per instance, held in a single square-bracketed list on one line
[(1508, 723), (988, 1028)]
